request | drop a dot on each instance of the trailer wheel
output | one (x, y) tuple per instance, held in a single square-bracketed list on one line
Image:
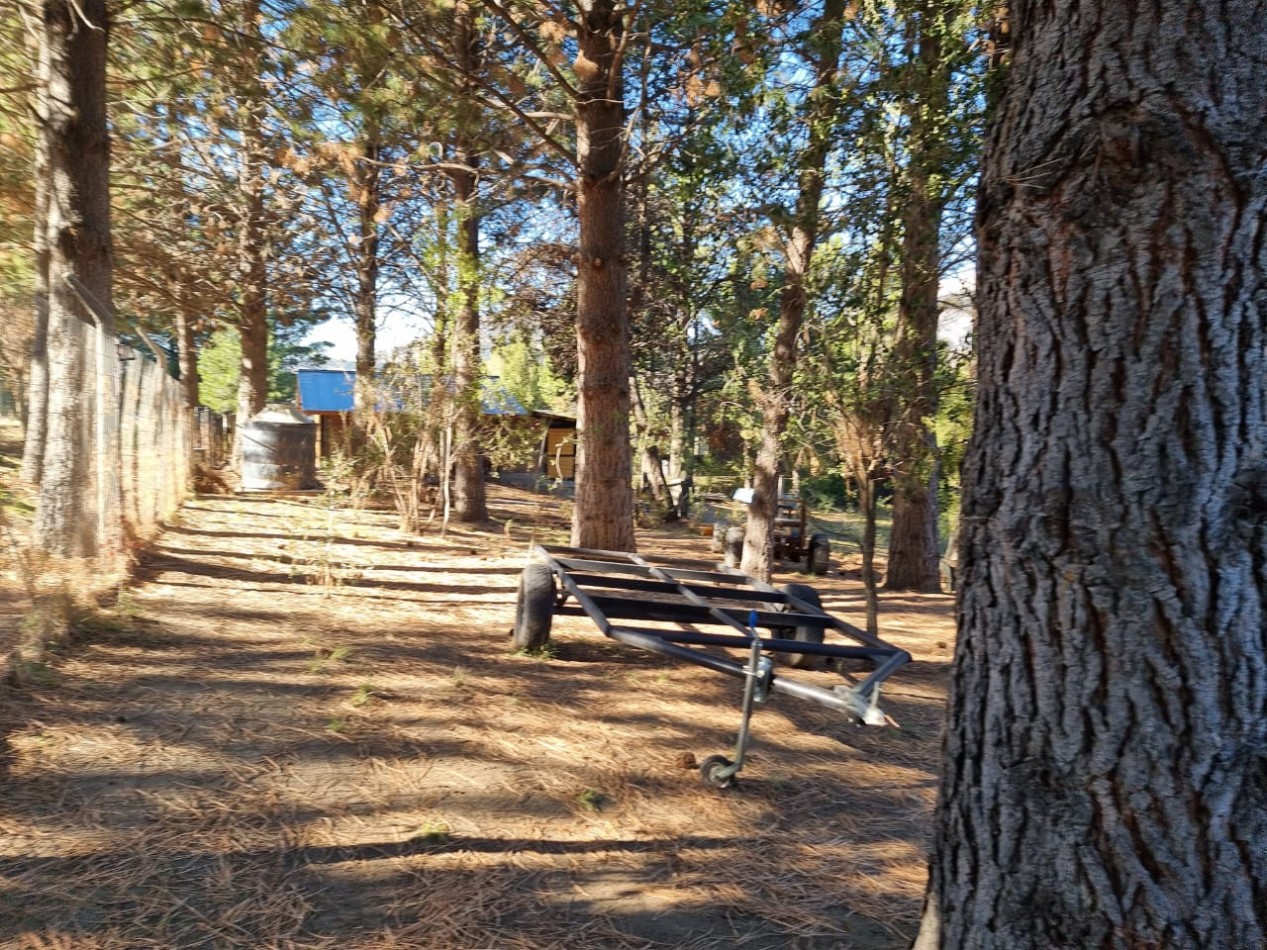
[(733, 545), (711, 772), (534, 608), (805, 634), (818, 561)]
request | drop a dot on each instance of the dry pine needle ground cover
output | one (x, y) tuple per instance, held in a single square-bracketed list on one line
[(300, 729)]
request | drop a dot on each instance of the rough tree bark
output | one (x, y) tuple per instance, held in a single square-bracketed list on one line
[(367, 175), (799, 249), (914, 562), (76, 466), (367, 182), (252, 267), (469, 498), (603, 516), (1105, 766)]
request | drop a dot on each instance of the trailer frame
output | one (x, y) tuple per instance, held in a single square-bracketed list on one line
[(718, 607)]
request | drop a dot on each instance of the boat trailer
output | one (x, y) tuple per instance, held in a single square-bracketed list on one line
[(679, 609)]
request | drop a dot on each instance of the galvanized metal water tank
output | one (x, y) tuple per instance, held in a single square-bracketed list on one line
[(279, 451)]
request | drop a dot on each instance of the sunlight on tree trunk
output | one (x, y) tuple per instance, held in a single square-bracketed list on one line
[(73, 515), (252, 269), (603, 516), (37, 398), (186, 346), (470, 503), (366, 177)]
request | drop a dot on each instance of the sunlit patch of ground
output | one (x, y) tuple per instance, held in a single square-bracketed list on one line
[(302, 729)]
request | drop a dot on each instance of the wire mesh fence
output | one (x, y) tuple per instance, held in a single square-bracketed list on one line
[(138, 443)]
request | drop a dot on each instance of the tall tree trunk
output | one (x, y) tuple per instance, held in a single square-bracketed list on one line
[(603, 516), (651, 463), (252, 267), (186, 346), (37, 398), (469, 502), (368, 174), (1105, 766), (181, 278), (73, 517), (799, 249), (913, 548), (680, 400)]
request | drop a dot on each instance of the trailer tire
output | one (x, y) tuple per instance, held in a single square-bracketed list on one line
[(710, 771), (534, 608), (732, 546), (818, 559), (805, 634)]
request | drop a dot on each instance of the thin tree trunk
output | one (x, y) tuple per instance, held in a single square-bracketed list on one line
[(368, 173), (777, 397), (603, 515), (775, 409), (37, 400), (1105, 765), (679, 409), (72, 517), (651, 463), (870, 582), (186, 347), (469, 500)]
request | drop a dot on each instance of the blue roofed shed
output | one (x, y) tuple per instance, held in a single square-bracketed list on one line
[(326, 395), (325, 390)]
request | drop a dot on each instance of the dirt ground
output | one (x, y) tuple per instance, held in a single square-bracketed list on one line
[(301, 729)]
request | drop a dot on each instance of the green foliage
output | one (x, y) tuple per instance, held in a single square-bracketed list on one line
[(591, 799), (434, 832), (953, 427), (826, 492), (523, 369), (220, 366)]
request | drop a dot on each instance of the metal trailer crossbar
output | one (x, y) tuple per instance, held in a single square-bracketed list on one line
[(701, 610)]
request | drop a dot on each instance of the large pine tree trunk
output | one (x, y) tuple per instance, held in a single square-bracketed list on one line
[(252, 267), (914, 562), (776, 400), (469, 499), (1106, 762), (73, 514), (603, 516)]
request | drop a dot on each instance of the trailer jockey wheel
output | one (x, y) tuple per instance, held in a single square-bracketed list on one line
[(715, 771), (807, 633), (534, 608)]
